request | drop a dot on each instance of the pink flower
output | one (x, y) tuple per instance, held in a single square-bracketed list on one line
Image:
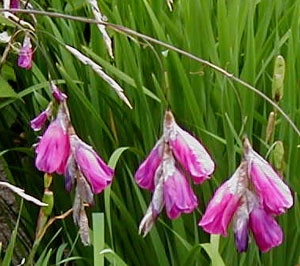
[(26, 53), (53, 149), (275, 195), (57, 93), (224, 203), (178, 195), (144, 176), (266, 231), (38, 122), (98, 174), (188, 151)]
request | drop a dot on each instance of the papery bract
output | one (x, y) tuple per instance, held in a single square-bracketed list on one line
[(240, 227), (224, 203), (71, 169), (188, 151), (26, 53), (266, 231), (273, 192), (98, 174), (53, 149), (178, 195), (144, 176)]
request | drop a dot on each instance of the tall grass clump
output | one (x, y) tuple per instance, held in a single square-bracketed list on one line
[(238, 43)]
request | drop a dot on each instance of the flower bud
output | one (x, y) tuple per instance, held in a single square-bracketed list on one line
[(278, 78), (278, 155)]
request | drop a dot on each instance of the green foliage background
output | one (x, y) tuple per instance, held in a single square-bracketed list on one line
[(243, 37)]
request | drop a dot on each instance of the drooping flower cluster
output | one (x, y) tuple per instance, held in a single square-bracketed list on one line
[(161, 173), (251, 197), (60, 150)]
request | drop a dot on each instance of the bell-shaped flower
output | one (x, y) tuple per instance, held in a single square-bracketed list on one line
[(188, 150), (98, 174), (57, 93), (178, 195), (225, 203), (26, 53), (240, 226), (275, 195), (144, 176), (53, 150), (38, 122), (266, 231)]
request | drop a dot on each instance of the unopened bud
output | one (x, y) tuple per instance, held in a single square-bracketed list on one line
[(278, 155), (278, 78), (270, 126)]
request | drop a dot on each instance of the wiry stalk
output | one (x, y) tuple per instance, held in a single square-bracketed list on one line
[(128, 31)]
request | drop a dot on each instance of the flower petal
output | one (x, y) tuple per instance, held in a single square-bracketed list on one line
[(225, 203), (188, 151), (266, 231), (53, 149), (273, 192), (178, 195), (38, 122), (98, 174), (144, 176)]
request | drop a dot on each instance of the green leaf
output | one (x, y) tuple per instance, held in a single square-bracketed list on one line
[(6, 90)]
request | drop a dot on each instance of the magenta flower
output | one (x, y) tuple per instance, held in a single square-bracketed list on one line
[(224, 203), (144, 176), (53, 149), (273, 192), (26, 53), (250, 197), (188, 151), (57, 93), (38, 122), (98, 174), (178, 195)]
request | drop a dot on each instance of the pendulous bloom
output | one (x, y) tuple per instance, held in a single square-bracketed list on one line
[(273, 192), (38, 122), (98, 174), (26, 53), (161, 173), (53, 149), (250, 197)]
